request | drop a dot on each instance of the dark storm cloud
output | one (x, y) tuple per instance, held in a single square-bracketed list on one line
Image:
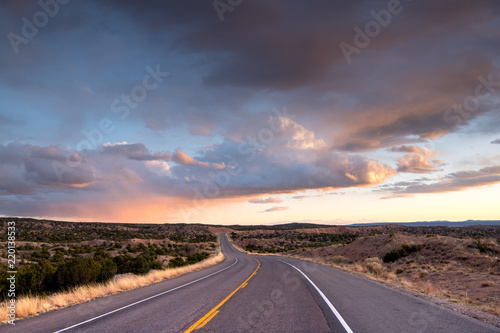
[(430, 57), (287, 52)]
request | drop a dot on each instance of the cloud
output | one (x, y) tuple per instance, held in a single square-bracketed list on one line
[(456, 181), (274, 209), (417, 161), (265, 201), (135, 151), (221, 89), (408, 149), (497, 141), (229, 170), (279, 166), (182, 158), (26, 169), (298, 136), (300, 197), (288, 66), (394, 196)]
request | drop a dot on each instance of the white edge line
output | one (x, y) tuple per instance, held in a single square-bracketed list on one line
[(335, 312), (146, 299)]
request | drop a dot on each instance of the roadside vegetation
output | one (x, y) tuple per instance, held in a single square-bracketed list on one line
[(61, 260), (30, 305)]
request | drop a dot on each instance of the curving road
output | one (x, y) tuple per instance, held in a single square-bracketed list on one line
[(256, 294)]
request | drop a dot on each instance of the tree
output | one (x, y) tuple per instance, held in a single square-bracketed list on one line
[(77, 271), (107, 271)]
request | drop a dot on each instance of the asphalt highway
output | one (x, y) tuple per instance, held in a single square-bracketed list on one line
[(256, 294)]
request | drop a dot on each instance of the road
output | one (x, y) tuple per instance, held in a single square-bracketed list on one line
[(256, 294)]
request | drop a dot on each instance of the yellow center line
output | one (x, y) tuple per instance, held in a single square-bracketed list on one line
[(206, 318)]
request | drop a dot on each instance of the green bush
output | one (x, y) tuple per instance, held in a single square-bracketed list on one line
[(76, 272), (481, 246), (35, 278), (176, 262), (139, 265), (107, 271), (392, 256)]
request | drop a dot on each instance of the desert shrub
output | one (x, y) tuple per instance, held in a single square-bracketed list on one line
[(30, 279), (405, 250), (76, 272), (482, 247), (374, 266), (392, 256), (139, 265), (339, 260), (107, 270), (252, 247), (196, 258), (122, 263), (176, 262), (187, 250), (58, 257), (35, 278)]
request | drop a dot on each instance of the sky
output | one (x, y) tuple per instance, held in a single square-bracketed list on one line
[(250, 112)]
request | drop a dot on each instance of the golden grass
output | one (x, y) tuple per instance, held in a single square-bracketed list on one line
[(32, 305)]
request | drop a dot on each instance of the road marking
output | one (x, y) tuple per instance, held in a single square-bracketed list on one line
[(206, 318), (146, 299), (335, 312)]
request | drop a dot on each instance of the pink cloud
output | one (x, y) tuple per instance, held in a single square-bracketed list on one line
[(265, 201), (274, 209)]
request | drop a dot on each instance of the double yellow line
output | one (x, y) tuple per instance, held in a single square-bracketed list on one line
[(212, 313)]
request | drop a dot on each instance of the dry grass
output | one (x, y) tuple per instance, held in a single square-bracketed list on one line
[(32, 305)]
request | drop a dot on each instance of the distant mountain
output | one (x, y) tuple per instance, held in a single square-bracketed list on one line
[(467, 223)]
